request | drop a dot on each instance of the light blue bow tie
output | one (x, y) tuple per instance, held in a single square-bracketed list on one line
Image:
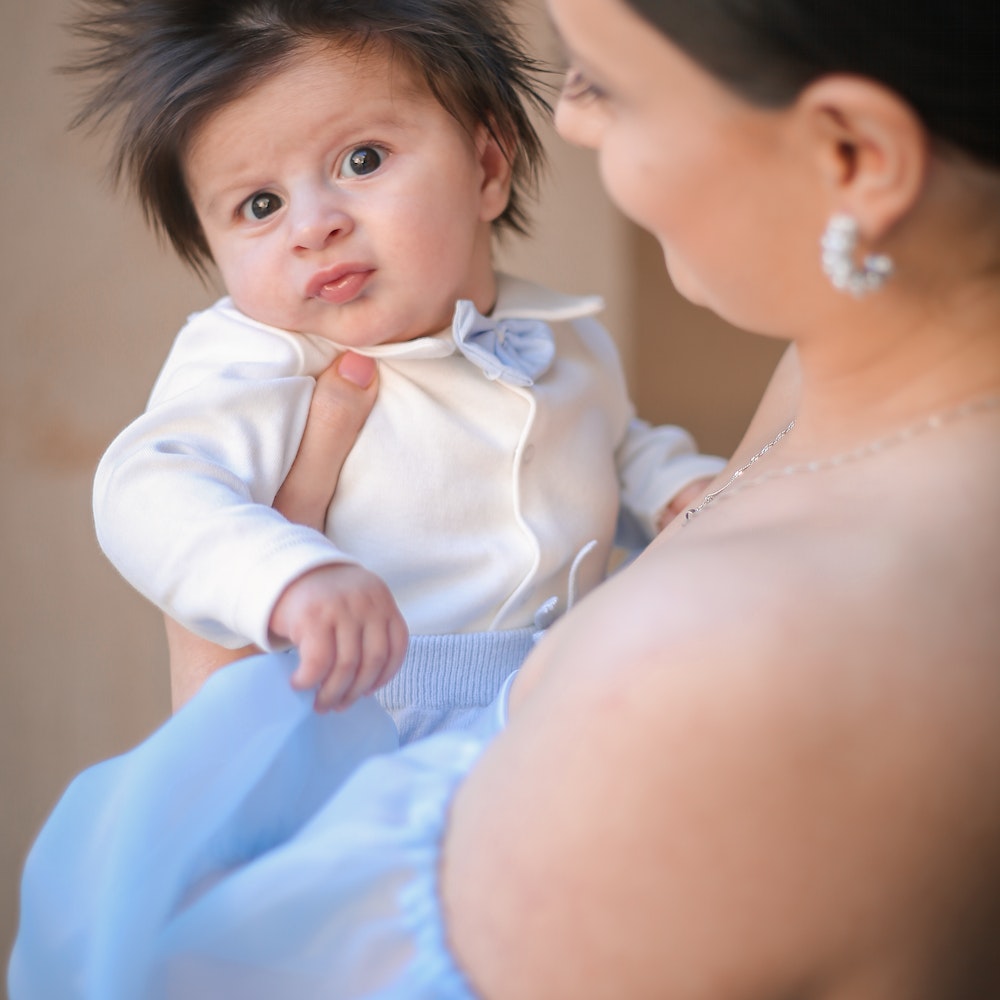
[(516, 351)]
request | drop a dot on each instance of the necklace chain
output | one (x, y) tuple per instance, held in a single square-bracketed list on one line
[(738, 474), (931, 423)]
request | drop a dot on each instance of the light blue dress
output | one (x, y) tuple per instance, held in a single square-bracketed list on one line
[(249, 849)]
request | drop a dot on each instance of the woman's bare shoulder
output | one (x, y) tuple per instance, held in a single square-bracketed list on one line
[(705, 736)]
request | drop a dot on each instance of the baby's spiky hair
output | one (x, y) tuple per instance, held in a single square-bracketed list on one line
[(163, 66)]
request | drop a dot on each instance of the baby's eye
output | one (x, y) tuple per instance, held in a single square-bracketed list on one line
[(362, 161), (261, 205)]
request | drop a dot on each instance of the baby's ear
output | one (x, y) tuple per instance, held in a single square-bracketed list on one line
[(872, 149), (497, 173)]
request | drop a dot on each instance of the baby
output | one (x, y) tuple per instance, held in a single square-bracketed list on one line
[(345, 166)]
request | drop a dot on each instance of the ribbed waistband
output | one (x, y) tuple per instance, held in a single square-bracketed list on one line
[(456, 670)]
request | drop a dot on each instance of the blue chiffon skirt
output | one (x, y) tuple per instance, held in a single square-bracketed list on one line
[(250, 848)]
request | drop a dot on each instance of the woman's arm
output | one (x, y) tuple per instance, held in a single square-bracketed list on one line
[(633, 831), (341, 402), (704, 795)]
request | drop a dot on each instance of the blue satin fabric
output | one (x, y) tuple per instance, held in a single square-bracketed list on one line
[(516, 351), (250, 848)]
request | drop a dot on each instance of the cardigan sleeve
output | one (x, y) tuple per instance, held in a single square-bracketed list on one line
[(654, 465), (182, 497)]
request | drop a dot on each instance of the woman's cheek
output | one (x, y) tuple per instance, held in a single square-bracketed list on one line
[(635, 185)]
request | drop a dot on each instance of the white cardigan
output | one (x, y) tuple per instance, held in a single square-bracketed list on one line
[(469, 497)]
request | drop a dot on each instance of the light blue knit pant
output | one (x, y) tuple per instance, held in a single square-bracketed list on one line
[(447, 680)]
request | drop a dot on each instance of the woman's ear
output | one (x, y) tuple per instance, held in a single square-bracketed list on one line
[(497, 174), (872, 149)]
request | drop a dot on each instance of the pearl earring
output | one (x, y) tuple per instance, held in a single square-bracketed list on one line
[(838, 244)]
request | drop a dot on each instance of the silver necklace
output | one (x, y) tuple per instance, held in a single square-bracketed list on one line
[(738, 474), (931, 423)]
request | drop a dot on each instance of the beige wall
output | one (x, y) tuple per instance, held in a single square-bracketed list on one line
[(88, 306)]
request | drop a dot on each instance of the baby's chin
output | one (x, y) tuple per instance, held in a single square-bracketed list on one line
[(356, 325), (351, 338), (353, 335)]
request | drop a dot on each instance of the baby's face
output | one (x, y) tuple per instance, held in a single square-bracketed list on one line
[(339, 198)]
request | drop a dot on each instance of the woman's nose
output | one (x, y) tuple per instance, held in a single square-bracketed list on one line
[(579, 126), (317, 221)]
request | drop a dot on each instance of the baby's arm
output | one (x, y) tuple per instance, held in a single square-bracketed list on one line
[(341, 402), (662, 473), (183, 497)]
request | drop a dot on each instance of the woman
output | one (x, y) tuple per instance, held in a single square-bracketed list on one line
[(763, 761)]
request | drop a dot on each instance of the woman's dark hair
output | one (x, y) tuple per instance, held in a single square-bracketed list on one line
[(164, 66), (941, 56)]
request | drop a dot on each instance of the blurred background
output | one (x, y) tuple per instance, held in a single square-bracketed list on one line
[(89, 304)]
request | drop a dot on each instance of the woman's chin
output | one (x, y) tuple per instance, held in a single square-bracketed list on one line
[(685, 285)]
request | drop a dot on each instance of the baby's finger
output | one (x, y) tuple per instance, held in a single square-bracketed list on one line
[(330, 696), (399, 639), (375, 655), (318, 656), (341, 679)]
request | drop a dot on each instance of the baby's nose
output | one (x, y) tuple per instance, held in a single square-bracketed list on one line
[(319, 222)]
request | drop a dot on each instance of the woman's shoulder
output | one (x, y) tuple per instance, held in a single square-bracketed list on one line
[(728, 720)]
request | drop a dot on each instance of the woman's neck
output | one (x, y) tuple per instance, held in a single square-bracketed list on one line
[(897, 361)]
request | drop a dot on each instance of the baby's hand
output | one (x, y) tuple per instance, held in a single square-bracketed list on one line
[(350, 635), (687, 498)]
